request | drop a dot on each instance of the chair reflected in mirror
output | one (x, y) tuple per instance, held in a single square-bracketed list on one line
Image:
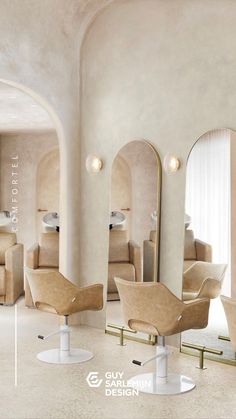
[(134, 221)]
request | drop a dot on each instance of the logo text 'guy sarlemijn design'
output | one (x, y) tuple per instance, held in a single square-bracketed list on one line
[(114, 383)]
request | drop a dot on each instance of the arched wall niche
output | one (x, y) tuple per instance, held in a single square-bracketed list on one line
[(153, 71)]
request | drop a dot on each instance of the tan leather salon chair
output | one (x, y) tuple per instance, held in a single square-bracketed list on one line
[(44, 254), (229, 305), (124, 261), (203, 279), (11, 268), (150, 307), (53, 293), (195, 250)]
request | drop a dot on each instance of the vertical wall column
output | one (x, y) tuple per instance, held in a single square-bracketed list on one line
[(233, 212)]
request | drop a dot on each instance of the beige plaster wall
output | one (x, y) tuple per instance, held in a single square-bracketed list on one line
[(233, 212), (30, 149), (165, 72)]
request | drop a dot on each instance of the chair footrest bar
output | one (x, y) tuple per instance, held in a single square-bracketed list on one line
[(202, 350)]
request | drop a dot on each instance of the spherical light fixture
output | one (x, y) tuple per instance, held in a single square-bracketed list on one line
[(171, 164), (93, 164)]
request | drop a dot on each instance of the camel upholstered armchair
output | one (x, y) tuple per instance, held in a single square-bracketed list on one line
[(124, 261), (44, 254), (11, 268), (151, 308), (149, 257), (195, 250), (229, 305), (53, 293), (203, 279)]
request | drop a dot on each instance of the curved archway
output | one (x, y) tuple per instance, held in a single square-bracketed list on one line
[(60, 136)]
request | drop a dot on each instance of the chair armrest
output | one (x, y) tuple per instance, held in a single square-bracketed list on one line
[(32, 257), (210, 288), (195, 314), (14, 258), (204, 251), (135, 259), (89, 298)]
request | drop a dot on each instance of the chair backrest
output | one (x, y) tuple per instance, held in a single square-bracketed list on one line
[(148, 302), (189, 246), (49, 250), (6, 240), (229, 305), (200, 271), (119, 246)]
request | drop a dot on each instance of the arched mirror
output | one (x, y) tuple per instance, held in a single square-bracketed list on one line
[(134, 220), (47, 184), (210, 237)]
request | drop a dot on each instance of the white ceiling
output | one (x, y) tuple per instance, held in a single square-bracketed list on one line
[(19, 112)]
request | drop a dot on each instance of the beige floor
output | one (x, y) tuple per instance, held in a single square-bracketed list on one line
[(51, 391)]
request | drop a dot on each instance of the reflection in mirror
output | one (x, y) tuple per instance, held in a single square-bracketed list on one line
[(134, 220), (210, 237)]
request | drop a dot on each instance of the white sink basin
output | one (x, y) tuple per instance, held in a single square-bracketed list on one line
[(51, 220), (116, 219), (5, 218)]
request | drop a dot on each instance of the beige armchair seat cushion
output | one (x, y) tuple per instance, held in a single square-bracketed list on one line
[(41, 256), (149, 257), (124, 261), (125, 270), (152, 308), (11, 268), (195, 250), (2, 280), (49, 250), (119, 246), (6, 240)]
